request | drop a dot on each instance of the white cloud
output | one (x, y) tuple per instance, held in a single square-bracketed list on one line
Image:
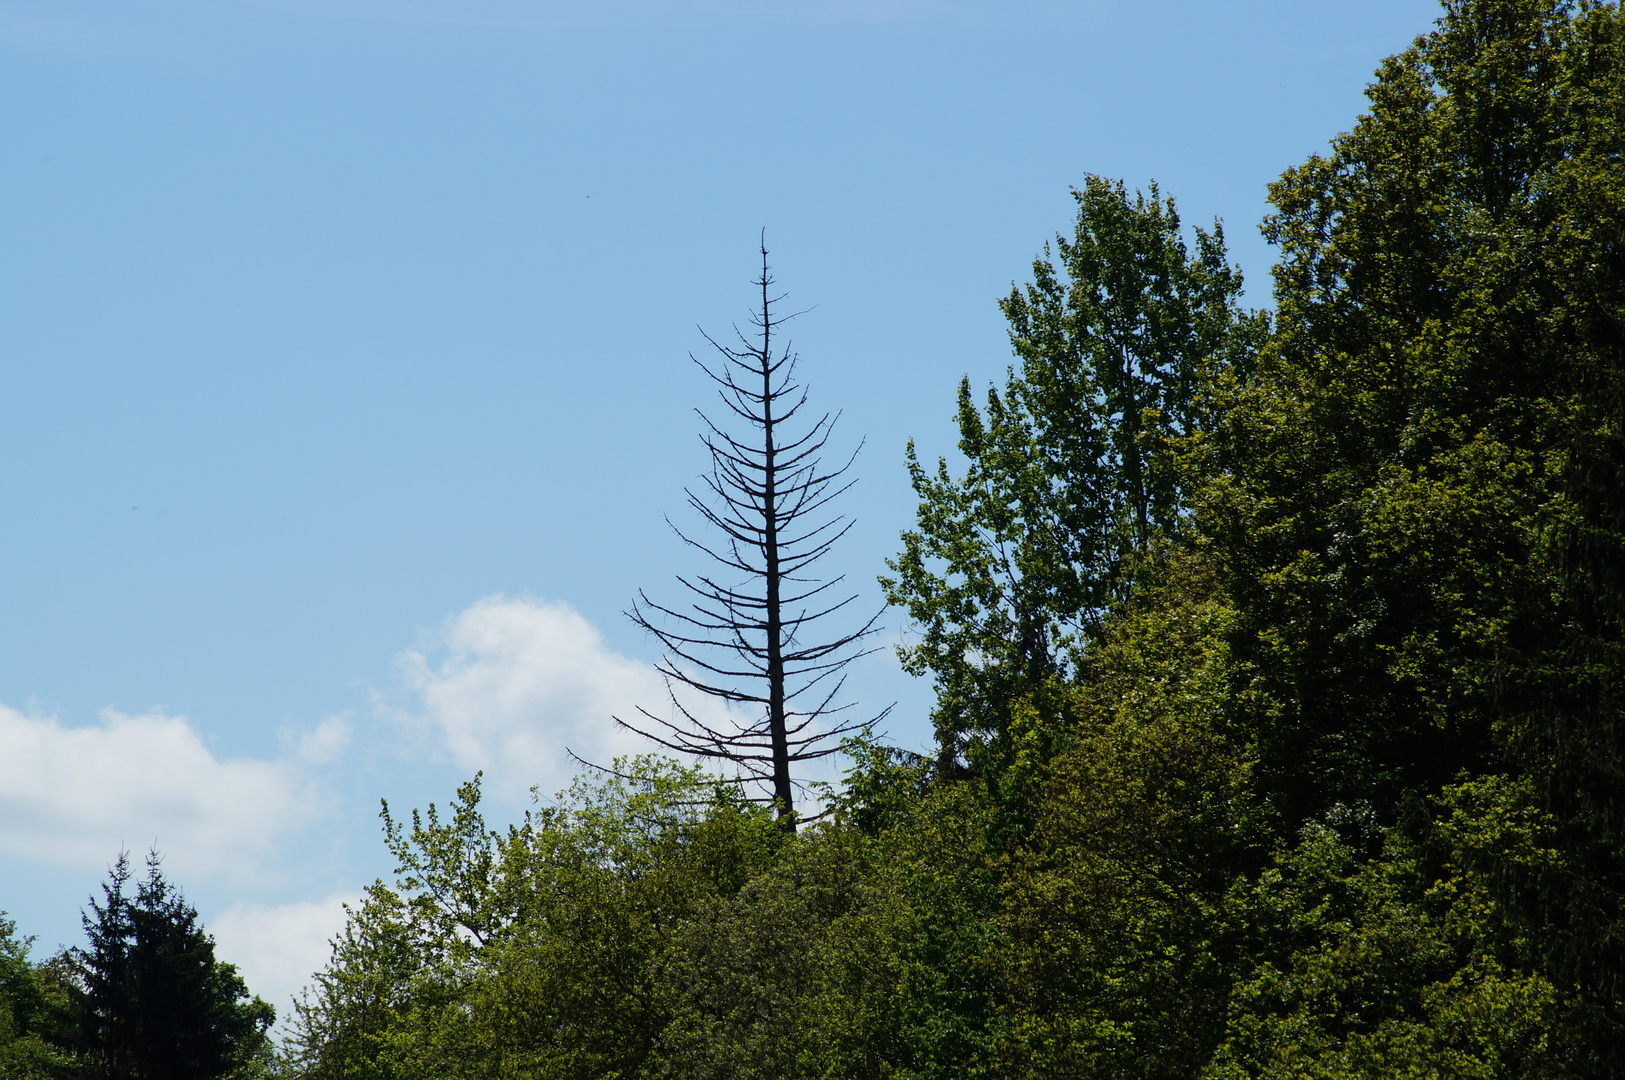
[(520, 681), (78, 795), (278, 947), (322, 745)]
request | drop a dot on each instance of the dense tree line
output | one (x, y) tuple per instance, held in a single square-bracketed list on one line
[(1279, 662), (1279, 677)]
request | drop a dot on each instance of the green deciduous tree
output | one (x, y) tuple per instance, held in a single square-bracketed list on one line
[(530, 951), (34, 1008), (1358, 955), (1069, 470), (1422, 511), (1118, 909)]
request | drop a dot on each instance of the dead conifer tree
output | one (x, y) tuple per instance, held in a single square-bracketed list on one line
[(753, 632)]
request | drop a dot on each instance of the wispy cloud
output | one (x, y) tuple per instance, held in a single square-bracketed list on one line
[(277, 947), (511, 686), (78, 795), (321, 745)]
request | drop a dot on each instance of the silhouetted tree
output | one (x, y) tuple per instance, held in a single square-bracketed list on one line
[(752, 635), (153, 1003)]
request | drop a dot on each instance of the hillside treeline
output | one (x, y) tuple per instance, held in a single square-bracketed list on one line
[(1279, 668), (1280, 671)]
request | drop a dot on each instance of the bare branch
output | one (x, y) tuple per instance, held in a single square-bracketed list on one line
[(755, 644)]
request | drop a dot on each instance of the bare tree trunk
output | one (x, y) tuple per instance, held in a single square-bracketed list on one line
[(752, 644), (770, 549)]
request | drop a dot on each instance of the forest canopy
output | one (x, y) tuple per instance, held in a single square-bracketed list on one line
[(1279, 660)]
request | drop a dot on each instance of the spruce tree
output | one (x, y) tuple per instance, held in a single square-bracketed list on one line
[(154, 1003)]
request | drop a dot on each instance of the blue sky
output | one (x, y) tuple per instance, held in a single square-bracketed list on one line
[(343, 377)]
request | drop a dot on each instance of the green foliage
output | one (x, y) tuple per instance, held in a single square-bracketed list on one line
[(1420, 513), (788, 977), (1070, 470), (1358, 967), (530, 951), (935, 856), (1119, 904), (1278, 668), (34, 1002), (868, 948)]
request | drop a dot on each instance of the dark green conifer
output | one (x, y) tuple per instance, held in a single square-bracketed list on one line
[(154, 1003)]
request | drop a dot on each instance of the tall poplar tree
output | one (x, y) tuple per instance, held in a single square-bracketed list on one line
[(1069, 475)]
